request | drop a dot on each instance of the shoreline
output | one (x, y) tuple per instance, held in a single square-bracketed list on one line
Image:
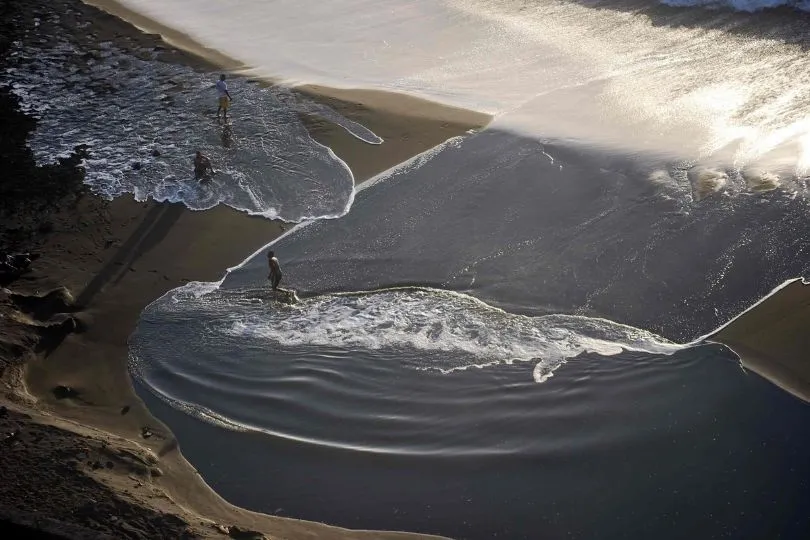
[(771, 337), (117, 257)]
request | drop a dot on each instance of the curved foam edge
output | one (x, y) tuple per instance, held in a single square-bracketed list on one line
[(772, 337), (412, 163)]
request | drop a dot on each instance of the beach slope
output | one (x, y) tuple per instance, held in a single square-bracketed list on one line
[(773, 338)]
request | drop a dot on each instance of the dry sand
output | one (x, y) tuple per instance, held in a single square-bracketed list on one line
[(75, 427)]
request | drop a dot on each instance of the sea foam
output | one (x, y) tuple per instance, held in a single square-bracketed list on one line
[(143, 119), (470, 332)]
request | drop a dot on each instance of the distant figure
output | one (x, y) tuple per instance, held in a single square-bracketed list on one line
[(224, 97), (202, 167), (275, 270)]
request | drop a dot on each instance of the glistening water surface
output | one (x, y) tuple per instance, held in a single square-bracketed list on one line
[(143, 119), (497, 339), (453, 366), (628, 446)]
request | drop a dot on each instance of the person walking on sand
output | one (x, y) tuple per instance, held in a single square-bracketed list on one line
[(223, 96), (202, 167), (275, 270)]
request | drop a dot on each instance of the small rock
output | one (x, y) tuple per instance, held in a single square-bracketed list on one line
[(125, 409), (110, 465), (97, 465), (3, 411), (136, 165), (146, 432), (155, 152), (244, 534), (156, 472), (11, 437)]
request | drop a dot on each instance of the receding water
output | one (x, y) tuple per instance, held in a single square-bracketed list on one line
[(502, 336), (453, 366)]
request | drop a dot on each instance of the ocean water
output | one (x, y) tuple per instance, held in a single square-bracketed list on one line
[(500, 337), (143, 119), (456, 364), (694, 83)]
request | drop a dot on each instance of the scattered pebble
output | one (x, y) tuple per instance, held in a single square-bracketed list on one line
[(125, 409)]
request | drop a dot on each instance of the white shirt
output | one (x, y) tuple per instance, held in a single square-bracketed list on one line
[(222, 88)]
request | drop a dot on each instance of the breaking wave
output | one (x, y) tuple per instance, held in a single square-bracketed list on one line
[(449, 330)]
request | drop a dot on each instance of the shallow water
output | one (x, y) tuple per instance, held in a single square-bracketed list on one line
[(634, 445), (498, 337), (143, 119), (454, 367), (694, 83)]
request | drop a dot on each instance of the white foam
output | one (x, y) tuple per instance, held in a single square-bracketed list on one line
[(143, 120), (563, 70), (435, 321)]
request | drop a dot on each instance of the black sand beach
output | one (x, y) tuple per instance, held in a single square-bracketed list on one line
[(497, 342), (75, 433)]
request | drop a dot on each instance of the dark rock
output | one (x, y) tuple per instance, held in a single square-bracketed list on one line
[(3, 411), (97, 465), (15, 264), (125, 409), (64, 392), (244, 534), (146, 432), (155, 152), (136, 165), (42, 307), (11, 437), (156, 472), (82, 151), (110, 465)]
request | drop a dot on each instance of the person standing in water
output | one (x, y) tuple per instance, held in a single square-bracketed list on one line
[(275, 270), (202, 167), (224, 97)]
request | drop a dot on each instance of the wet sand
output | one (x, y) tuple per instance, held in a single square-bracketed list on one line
[(773, 338), (68, 394)]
